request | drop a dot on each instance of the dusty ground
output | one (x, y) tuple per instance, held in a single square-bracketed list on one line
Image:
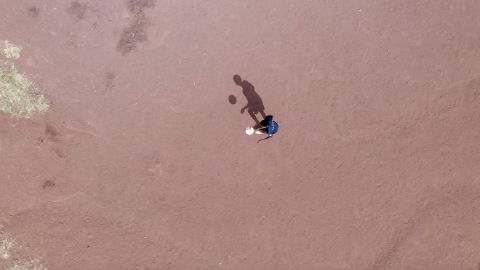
[(142, 162)]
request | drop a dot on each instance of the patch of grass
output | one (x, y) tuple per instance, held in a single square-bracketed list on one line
[(6, 244), (19, 96), (10, 50), (28, 265)]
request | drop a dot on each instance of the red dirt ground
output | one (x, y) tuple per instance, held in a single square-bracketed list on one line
[(142, 162)]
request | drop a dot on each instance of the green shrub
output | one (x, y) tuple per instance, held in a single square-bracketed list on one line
[(19, 96)]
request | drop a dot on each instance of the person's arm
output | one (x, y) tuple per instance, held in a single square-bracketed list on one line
[(266, 138)]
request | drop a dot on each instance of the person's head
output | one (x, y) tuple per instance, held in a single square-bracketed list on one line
[(237, 79)]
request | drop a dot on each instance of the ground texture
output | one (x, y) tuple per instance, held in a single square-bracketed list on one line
[(141, 161)]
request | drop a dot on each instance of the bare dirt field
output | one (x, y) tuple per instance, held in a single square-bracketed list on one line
[(141, 162)]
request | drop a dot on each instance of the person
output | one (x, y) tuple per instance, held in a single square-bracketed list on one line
[(267, 126)]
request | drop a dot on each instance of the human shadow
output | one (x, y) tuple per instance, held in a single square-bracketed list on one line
[(254, 101)]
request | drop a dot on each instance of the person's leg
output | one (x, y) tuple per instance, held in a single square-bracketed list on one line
[(261, 131), (264, 123)]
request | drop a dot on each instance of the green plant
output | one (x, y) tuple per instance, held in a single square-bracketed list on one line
[(27, 265), (6, 244), (19, 96), (10, 50)]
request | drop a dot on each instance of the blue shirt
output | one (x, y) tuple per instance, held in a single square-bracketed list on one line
[(272, 127)]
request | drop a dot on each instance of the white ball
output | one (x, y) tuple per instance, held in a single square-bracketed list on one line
[(249, 130)]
